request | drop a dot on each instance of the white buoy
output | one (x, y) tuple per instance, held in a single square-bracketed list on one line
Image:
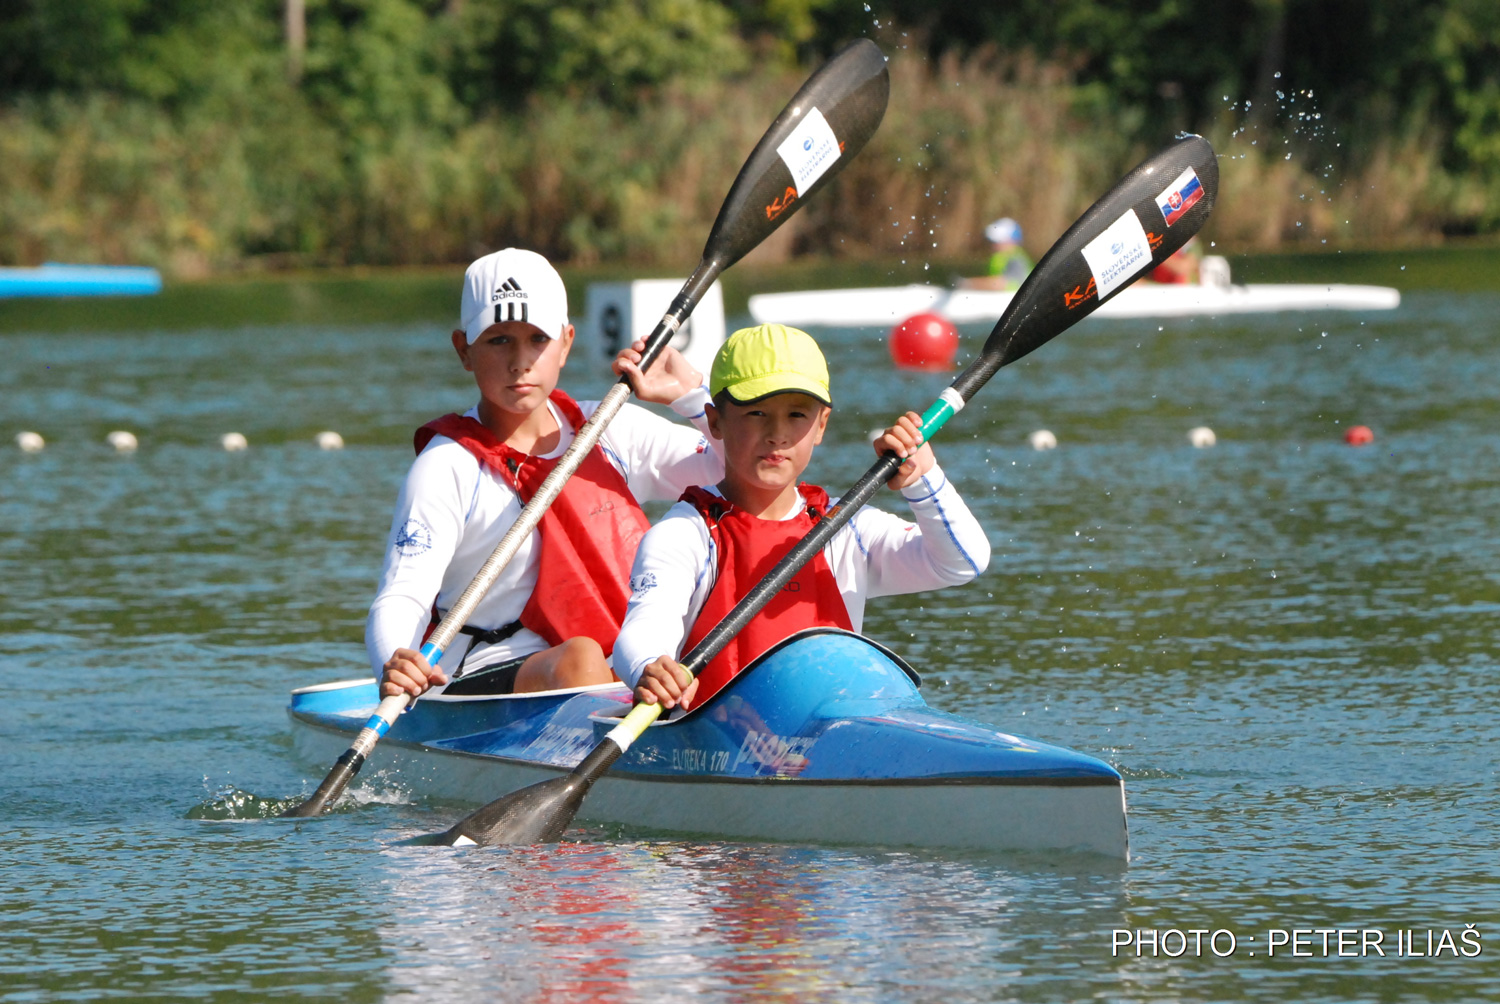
[(30, 442), (330, 440), (234, 441), (1041, 439), (122, 441), (1202, 437)]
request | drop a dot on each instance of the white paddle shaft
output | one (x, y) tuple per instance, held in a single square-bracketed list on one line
[(531, 514)]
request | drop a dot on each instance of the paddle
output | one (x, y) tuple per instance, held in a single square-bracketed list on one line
[(1118, 239), (824, 126)]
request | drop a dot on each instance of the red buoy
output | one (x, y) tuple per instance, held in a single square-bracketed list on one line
[(1359, 435), (924, 342)]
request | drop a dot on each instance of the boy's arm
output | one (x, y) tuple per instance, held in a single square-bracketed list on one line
[(945, 547), (660, 458), (669, 582), (424, 534)]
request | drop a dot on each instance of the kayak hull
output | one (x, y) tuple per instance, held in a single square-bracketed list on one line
[(824, 740), (885, 306)]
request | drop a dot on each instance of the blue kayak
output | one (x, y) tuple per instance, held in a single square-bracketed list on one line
[(825, 738), (53, 279)]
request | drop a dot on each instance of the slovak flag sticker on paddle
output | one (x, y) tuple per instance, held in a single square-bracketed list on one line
[(1182, 195)]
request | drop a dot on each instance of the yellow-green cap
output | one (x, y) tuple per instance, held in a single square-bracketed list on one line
[(769, 359)]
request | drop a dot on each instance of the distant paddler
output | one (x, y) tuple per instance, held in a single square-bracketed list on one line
[(1009, 263)]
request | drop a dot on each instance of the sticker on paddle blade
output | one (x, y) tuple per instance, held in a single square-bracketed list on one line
[(1182, 195), (810, 150), (1118, 254)]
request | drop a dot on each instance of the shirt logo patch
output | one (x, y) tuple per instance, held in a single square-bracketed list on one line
[(641, 584), (414, 537)]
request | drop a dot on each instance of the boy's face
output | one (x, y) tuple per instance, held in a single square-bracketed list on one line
[(515, 364), (769, 443)]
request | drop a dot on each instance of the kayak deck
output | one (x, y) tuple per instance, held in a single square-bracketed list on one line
[(826, 738)]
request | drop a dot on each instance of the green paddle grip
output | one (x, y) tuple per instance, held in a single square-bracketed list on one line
[(949, 403)]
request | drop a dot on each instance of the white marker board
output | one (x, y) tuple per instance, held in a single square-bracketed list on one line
[(621, 312)]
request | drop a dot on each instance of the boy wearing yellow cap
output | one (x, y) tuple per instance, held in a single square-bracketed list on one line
[(550, 619), (770, 408)]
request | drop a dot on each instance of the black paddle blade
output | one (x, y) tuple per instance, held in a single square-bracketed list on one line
[(826, 123), (1140, 223), (536, 814)]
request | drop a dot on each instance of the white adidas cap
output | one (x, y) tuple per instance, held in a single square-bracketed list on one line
[(513, 285)]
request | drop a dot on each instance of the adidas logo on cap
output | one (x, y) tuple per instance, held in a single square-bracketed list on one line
[(511, 291), (509, 288), (513, 285)]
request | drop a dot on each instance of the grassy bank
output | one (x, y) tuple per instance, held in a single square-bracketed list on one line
[(257, 188)]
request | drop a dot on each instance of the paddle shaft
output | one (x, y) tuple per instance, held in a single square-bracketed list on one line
[(510, 820), (948, 404), (848, 96), (1060, 291), (390, 708)]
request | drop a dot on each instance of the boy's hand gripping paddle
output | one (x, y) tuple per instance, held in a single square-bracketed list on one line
[(827, 122), (1149, 215)]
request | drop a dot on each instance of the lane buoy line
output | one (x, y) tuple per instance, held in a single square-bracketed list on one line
[(125, 441)]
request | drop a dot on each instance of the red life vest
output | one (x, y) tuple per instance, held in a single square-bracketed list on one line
[(589, 534), (748, 548)]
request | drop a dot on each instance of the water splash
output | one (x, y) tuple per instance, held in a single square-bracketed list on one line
[(230, 802)]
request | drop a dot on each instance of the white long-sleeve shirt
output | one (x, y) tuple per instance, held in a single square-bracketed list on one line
[(874, 554), (452, 511)]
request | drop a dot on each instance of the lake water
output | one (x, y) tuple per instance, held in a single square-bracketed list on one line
[(1286, 644)]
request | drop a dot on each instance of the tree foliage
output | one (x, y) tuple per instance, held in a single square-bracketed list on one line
[(1375, 62), (253, 151)]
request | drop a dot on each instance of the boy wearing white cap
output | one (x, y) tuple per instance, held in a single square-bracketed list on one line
[(770, 407), (550, 620)]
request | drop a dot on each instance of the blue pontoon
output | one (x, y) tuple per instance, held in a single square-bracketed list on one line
[(53, 279)]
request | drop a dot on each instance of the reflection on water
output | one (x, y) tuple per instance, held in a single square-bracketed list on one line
[(641, 921), (1287, 645)]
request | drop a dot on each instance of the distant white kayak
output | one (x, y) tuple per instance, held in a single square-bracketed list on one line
[(887, 305)]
